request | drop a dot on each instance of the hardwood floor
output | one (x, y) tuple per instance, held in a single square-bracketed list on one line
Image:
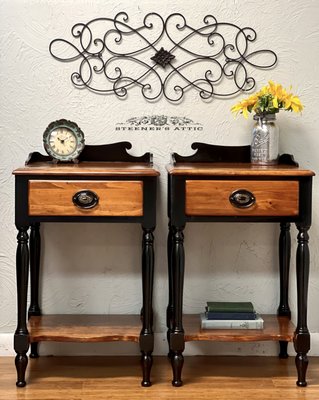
[(205, 378)]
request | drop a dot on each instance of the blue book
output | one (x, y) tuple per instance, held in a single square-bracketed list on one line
[(230, 315)]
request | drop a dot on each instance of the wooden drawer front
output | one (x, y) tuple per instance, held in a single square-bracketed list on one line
[(115, 198), (272, 198)]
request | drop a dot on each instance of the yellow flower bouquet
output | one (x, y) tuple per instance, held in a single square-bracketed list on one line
[(269, 100)]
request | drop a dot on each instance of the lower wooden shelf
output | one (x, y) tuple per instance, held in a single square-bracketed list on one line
[(275, 328), (84, 328)]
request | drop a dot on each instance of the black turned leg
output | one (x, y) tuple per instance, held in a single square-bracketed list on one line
[(177, 360), (146, 362), (302, 336), (177, 335), (284, 265), (170, 308), (147, 336), (35, 248), (21, 336)]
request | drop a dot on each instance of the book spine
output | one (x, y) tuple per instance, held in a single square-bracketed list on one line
[(229, 307), (232, 324), (230, 315)]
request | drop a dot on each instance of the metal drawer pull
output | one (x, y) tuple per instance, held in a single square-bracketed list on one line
[(242, 198), (85, 199)]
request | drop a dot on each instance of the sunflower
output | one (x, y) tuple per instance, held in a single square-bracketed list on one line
[(269, 100)]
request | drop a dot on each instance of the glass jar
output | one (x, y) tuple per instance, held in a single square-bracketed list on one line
[(265, 142)]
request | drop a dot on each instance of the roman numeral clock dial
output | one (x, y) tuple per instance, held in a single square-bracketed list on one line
[(63, 140)]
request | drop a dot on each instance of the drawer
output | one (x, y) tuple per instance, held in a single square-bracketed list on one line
[(269, 198), (114, 198)]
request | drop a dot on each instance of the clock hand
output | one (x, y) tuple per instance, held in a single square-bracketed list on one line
[(68, 138)]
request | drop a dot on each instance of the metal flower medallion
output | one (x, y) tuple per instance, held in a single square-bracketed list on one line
[(163, 57)]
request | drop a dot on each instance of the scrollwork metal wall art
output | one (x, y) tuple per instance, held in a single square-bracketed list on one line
[(214, 59)]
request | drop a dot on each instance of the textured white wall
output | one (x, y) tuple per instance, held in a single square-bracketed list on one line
[(91, 268)]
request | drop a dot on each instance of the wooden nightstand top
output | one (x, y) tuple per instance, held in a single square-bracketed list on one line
[(88, 169), (235, 169)]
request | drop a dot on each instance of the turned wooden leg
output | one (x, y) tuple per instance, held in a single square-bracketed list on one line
[(147, 336), (21, 336), (35, 249), (302, 336), (147, 362), (177, 335), (284, 265), (170, 307), (21, 362), (177, 365)]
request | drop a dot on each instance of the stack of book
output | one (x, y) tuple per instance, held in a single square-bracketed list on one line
[(230, 315)]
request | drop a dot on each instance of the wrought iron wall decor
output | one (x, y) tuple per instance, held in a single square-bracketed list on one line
[(115, 56)]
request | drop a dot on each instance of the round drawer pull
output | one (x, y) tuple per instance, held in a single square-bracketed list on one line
[(85, 199), (242, 198)]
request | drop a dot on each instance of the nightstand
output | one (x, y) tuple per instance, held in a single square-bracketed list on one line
[(107, 185), (218, 184)]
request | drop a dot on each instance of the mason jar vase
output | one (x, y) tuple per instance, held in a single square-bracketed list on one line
[(265, 142)]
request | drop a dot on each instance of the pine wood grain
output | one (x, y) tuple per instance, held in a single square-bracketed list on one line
[(84, 328), (88, 168), (118, 378), (116, 198), (236, 169), (275, 328), (211, 197)]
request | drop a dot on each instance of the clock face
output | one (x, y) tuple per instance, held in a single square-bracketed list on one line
[(63, 140)]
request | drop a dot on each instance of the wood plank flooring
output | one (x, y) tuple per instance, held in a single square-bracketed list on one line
[(205, 378)]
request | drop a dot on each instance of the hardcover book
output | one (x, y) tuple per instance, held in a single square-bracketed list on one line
[(230, 306), (257, 323), (230, 315)]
